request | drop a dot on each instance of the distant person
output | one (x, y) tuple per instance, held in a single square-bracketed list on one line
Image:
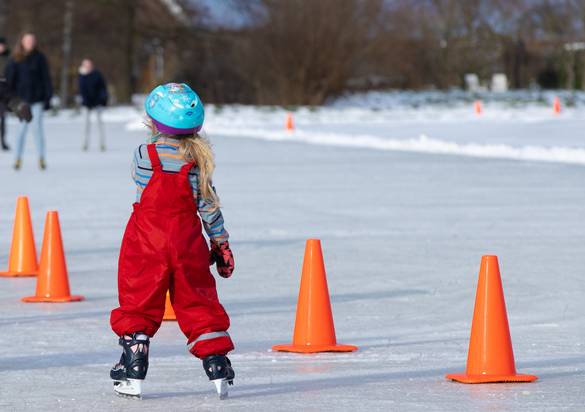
[(94, 97), (4, 55), (28, 77)]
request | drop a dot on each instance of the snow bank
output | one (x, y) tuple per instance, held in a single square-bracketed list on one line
[(455, 98), (524, 133), (422, 144)]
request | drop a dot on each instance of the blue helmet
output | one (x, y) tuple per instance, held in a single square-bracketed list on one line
[(175, 109)]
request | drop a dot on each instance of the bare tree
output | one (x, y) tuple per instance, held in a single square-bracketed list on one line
[(67, 40), (4, 7), (303, 51)]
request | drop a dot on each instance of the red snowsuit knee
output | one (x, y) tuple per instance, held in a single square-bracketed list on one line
[(164, 249)]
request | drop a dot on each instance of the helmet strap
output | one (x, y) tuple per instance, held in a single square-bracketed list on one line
[(154, 138)]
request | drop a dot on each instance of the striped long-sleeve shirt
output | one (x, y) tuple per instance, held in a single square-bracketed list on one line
[(168, 152)]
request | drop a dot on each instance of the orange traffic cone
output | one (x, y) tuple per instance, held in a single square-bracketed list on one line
[(490, 358), (290, 124), (557, 105), (169, 311), (478, 107), (23, 253), (52, 283), (314, 330)]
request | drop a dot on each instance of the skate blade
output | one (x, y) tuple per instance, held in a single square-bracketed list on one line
[(130, 388), (221, 385)]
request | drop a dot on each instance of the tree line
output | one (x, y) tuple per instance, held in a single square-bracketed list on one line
[(293, 52)]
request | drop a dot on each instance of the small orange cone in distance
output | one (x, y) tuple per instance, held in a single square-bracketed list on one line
[(23, 253), (52, 283), (314, 329), (478, 107), (490, 358), (557, 105), (290, 124), (169, 311)]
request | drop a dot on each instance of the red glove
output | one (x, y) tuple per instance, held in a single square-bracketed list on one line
[(222, 256)]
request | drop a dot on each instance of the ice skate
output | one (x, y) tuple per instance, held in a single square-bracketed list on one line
[(129, 373), (219, 370)]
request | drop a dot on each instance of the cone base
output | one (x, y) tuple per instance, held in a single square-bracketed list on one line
[(11, 274), (72, 298), (314, 348), (462, 378), (171, 318)]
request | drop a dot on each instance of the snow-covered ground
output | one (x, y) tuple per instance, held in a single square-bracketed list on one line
[(404, 220)]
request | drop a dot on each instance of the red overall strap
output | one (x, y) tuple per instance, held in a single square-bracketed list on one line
[(186, 168), (153, 155)]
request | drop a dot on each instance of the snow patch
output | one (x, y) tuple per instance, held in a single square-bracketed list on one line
[(422, 144)]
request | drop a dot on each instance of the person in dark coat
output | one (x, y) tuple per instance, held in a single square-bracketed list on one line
[(28, 77), (4, 55), (94, 97)]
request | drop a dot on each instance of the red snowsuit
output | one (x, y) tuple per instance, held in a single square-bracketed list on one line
[(164, 249)]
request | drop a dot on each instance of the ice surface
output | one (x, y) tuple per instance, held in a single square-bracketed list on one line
[(403, 233)]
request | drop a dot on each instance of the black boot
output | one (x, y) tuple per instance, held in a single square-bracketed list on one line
[(219, 370), (129, 373)]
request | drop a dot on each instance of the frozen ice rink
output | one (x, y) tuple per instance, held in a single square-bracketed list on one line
[(405, 201)]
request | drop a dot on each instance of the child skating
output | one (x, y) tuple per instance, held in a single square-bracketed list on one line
[(164, 248)]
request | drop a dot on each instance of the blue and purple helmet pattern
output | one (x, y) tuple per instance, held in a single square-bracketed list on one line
[(175, 109)]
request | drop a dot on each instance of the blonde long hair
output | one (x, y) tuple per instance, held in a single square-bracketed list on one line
[(196, 148)]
